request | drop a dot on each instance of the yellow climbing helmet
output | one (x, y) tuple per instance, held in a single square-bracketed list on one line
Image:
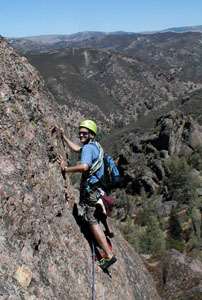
[(89, 124)]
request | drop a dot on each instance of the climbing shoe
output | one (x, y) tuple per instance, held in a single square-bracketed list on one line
[(109, 234), (106, 263)]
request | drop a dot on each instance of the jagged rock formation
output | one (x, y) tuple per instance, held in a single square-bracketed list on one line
[(177, 276), (174, 134), (144, 163), (183, 277), (44, 254)]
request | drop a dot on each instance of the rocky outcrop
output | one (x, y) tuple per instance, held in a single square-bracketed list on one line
[(174, 133), (45, 254), (177, 276), (178, 134), (148, 164), (182, 277)]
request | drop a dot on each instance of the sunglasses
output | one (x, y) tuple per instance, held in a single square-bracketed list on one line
[(83, 133)]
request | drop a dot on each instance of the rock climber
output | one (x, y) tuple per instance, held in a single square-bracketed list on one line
[(90, 185)]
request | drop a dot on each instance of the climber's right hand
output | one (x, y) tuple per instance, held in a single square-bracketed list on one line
[(61, 129)]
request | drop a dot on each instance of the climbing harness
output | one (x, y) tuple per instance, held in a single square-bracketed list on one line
[(93, 273), (96, 166)]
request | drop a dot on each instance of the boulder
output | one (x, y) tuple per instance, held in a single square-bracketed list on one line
[(182, 277), (177, 276)]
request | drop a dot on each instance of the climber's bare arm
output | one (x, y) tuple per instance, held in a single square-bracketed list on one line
[(83, 167)]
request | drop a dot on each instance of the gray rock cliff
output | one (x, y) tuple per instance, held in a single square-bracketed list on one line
[(44, 253)]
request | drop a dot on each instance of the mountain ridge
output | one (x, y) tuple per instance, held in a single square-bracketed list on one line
[(89, 34), (43, 42)]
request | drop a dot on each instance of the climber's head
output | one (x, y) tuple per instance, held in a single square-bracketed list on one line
[(87, 131)]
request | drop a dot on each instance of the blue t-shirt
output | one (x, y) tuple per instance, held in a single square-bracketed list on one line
[(90, 154)]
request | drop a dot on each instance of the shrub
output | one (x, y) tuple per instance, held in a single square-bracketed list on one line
[(126, 201), (181, 182), (172, 243), (139, 165), (153, 238), (174, 227), (194, 243), (145, 240), (146, 210), (132, 234), (174, 235)]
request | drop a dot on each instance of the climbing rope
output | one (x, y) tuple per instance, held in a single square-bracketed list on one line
[(93, 273)]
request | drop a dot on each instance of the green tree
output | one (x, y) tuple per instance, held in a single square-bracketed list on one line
[(174, 227), (149, 241), (153, 241), (174, 237), (181, 182), (125, 201), (146, 209), (131, 233)]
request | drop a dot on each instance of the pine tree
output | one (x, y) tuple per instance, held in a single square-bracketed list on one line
[(153, 239), (181, 182), (175, 233), (175, 228)]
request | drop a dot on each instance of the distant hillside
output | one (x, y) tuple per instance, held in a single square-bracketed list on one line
[(51, 39), (184, 29), (121, 77), (113, 87), (182, 52), (165, 50), (50, 42)]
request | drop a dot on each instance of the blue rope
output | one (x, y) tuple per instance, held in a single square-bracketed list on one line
[(93, 285)]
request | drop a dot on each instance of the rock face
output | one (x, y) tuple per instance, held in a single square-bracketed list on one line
[(183, 277), (44, 252), (174, 134), (177, 276), (144, 165)]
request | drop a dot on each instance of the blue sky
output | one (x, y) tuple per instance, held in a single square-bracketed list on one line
[(20, 18)]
